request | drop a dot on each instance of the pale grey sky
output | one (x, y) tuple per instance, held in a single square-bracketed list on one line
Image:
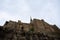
[(23, 9)]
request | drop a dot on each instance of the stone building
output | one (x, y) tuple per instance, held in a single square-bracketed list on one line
[(35, 30)]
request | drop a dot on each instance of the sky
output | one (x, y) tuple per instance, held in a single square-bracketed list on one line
[(22, 10)]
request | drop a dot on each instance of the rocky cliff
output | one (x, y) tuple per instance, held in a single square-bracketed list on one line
[(35, 30)]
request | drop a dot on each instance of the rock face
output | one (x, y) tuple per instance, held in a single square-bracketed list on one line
[(35, 30)]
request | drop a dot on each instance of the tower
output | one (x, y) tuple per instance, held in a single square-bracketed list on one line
[(30, 19)]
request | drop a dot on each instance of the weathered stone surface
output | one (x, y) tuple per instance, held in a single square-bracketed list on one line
[(35, 30)]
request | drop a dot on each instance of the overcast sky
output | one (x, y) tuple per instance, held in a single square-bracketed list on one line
[(23, 9)]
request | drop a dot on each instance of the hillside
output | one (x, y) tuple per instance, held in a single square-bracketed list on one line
[(35, 30)]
